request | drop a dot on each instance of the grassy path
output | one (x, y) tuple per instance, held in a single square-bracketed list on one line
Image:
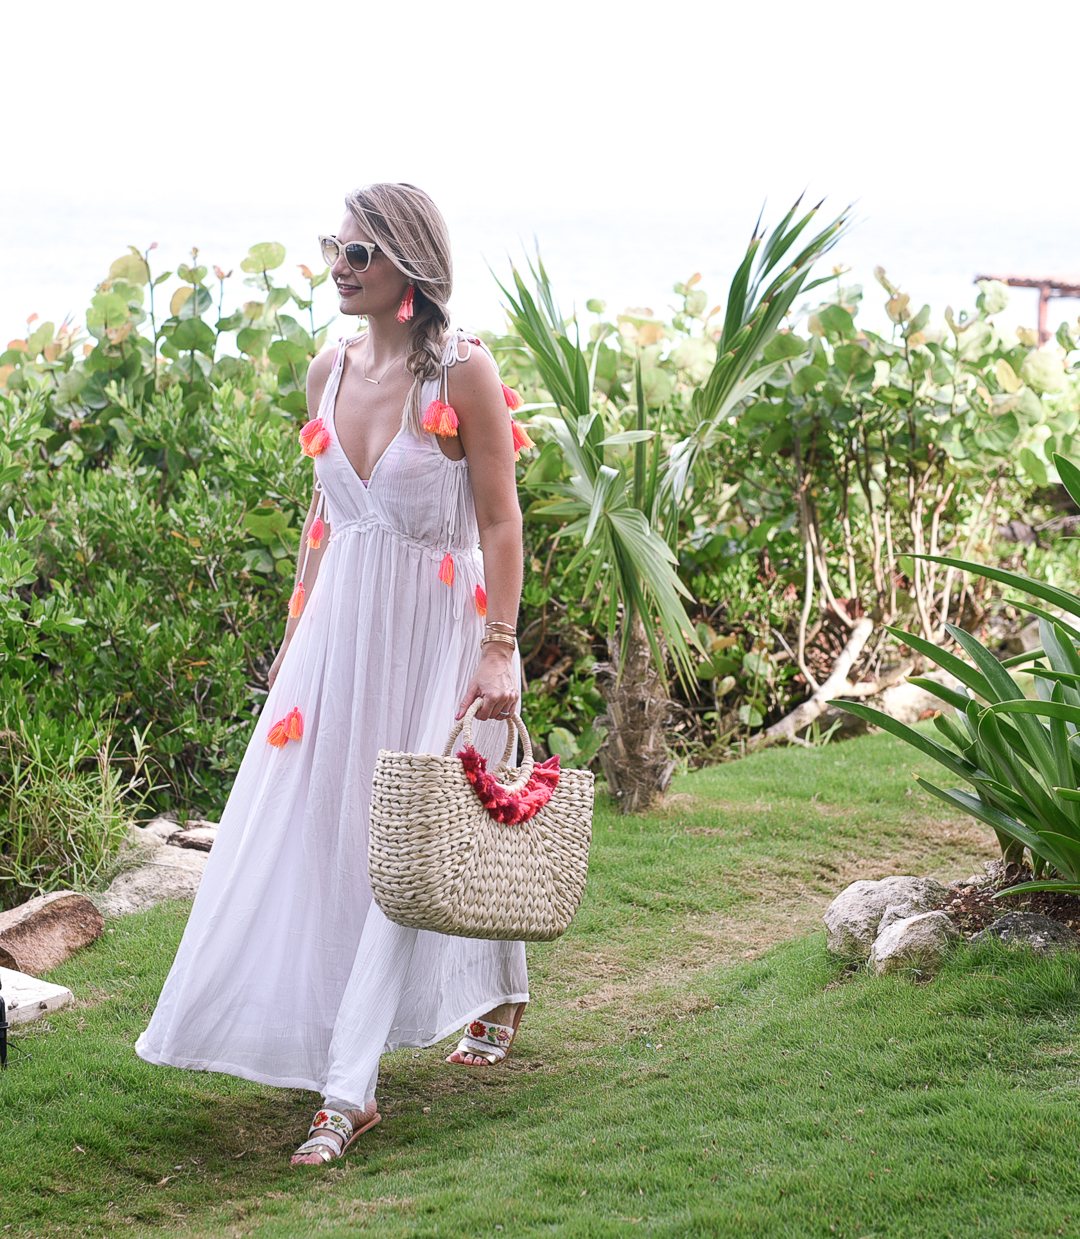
[(692, 1064)]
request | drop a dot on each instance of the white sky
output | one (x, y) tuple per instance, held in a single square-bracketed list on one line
[(636, 141)]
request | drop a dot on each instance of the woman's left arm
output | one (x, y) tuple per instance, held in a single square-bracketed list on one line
[(484, 428)]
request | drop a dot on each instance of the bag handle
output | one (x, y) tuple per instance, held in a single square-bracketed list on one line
[(514, 722)]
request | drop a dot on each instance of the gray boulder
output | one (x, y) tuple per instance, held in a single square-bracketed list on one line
[(1041, 933), (853, 919), (27, 998), (913, 941), (169, 873)]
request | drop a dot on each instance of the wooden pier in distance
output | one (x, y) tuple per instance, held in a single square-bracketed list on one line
[(1057, 286)]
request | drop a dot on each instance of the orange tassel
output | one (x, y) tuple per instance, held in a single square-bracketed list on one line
[(513, 400), (440, 419), (277, 736), (405, 310), (294, 724), (314, 437), (315, 534), (521, 439), (296, 602), (481, 600), (446, 570)]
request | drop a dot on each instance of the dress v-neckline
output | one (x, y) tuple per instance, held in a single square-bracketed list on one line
[(364, 482)]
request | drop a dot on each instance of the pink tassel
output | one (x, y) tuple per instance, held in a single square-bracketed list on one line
[(405, 310), (446, 570), (440, 419), (314, 437), (277, 736), (315, 534), (294, 724), (521, 439), (513, 400), (481, 600), (296, 602)]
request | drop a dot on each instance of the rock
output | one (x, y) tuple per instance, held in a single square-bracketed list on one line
[(913, 941), (201, 837), (156, 832), (27, 998), (170, 873), (908, 702), (1041, 933), (1024, 641), (854, 916), (44, 931)]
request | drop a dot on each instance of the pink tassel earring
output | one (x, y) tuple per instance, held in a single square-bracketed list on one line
[(405, 310)]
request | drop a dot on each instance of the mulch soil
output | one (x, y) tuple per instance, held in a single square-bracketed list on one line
[(972, 908)]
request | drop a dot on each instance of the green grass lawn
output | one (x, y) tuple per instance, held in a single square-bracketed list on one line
[(692, 1063)]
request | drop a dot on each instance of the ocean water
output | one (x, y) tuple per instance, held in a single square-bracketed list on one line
[(51, 258)]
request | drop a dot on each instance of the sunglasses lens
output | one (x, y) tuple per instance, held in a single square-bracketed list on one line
[(358, 256), (329, 250)]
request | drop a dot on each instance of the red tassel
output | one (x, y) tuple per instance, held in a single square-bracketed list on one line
[(315, 533), (405, 310), (521, 439), (513, 400), (481, 600), (294, 724), (314, 437), (296, 602), (446, 570), (440, 419), (277, 736), (505, 806)]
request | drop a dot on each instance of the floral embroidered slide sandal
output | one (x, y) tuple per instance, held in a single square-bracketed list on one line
[(487, 1041), (321, 1145)]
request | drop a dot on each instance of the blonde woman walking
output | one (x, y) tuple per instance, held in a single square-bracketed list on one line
[(403, 614)]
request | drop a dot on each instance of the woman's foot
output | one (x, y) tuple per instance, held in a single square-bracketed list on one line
[(487, 1041), (331, 1133)]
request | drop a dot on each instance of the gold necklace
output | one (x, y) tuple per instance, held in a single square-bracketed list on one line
[(382, 376)]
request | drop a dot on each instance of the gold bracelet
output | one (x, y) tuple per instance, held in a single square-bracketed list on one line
[(502, 638), (501, 624)]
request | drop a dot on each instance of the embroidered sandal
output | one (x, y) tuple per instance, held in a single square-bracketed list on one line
[(488, 1041), (325, 1146)]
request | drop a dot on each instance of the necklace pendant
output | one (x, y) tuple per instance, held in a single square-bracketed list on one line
[(367, 380)]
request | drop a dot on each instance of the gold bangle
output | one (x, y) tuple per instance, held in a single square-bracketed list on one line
[(502, 638), (501, 625)]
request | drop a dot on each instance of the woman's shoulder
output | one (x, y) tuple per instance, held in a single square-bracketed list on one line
[(469, 355)]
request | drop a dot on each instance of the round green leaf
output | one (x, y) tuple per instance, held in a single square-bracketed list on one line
[(130, 267), (282, 352), (197, 304), (265, 256), (253, 341), (807, 379), (193, 333)]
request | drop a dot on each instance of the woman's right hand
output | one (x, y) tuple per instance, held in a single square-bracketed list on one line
[(275, 666)]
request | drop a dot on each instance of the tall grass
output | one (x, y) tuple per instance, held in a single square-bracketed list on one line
[(64, 817)]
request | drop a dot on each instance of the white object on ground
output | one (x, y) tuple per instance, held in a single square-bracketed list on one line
[(853, 919), (918, 941), (28, 999)]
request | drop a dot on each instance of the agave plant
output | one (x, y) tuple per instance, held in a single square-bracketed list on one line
[(1021, 756), (625, 509)]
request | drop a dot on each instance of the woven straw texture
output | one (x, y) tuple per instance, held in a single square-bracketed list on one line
[(437, 860)]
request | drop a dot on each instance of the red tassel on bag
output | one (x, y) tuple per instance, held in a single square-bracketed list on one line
[(446, 569), (440, 419), (296, 602), (481, 600), (505, 806), (405, 310), (521, 439), (314, 437), (513, 400), (294, 724), (315, 533)]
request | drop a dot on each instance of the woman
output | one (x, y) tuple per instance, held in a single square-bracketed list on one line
[(288, 972)]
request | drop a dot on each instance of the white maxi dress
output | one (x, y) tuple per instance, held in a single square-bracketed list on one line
[(288, 973)]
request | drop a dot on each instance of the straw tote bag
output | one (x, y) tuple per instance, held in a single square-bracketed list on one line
[(459, 850)]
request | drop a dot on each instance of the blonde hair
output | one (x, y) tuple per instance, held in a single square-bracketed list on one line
[(410, 230)]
